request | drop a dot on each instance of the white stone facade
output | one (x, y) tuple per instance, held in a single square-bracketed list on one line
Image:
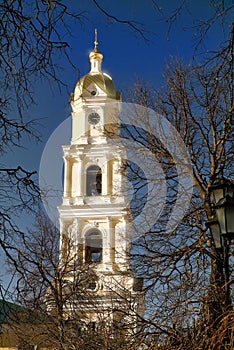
[(94, 215)]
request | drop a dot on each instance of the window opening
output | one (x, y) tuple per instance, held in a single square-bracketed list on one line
[(93, 247), (94, 181)]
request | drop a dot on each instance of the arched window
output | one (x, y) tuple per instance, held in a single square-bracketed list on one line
[(93, 247), (94, 181)]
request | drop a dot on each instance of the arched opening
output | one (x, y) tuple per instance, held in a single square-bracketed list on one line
[(94, 181), (93, 247)]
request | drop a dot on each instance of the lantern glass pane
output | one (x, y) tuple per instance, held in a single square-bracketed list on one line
[(220, 212), (218, 194), (230, 191), (230, 219), (225, 217), (215, 231)]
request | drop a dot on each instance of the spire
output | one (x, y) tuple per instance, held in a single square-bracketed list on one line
[(96, 41), (96, 57)]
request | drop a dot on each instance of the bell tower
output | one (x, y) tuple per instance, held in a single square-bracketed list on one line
[(94, 215)]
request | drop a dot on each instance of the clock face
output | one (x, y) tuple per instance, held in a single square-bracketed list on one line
[(93, 118)]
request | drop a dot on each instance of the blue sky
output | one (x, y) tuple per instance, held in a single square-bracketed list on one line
[(126, 56)]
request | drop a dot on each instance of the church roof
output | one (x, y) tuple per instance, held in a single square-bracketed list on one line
[(7, 310), (11, 312)]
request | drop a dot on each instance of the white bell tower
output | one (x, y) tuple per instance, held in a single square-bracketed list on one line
[(94, 217)]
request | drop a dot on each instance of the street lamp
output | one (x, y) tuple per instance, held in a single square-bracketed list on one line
[(222, 223)]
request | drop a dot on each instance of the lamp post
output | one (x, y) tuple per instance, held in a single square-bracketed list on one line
[(222, 224)]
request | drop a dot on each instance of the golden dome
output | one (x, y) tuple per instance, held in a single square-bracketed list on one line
[(85, 85)]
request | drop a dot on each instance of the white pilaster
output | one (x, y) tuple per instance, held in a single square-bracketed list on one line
[(67, 176), (105, 179), (80, 189)]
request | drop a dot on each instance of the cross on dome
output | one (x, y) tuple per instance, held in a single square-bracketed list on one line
[(96, 57)]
